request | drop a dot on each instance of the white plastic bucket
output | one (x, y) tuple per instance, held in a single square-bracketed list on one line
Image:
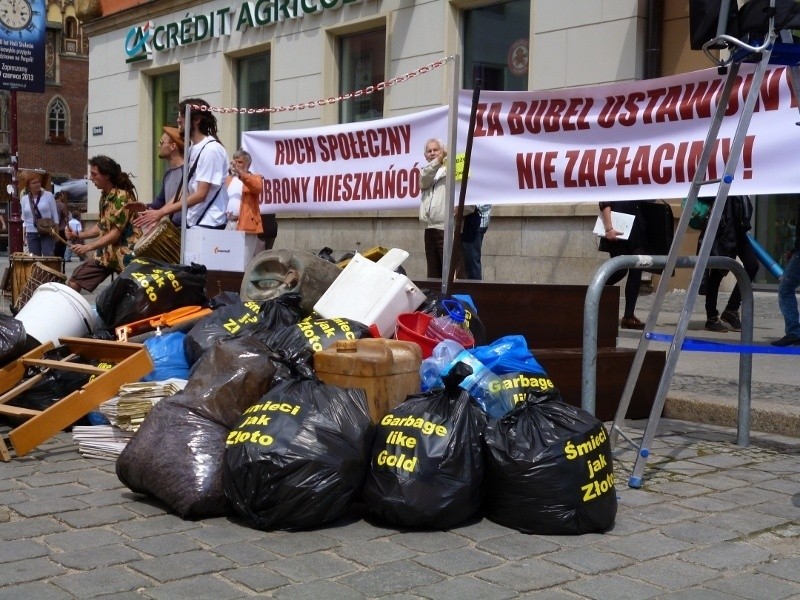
[(54, 311)]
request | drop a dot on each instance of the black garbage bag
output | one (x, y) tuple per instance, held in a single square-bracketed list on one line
[(241, 318), (176, 456), (149, 287), (426, 470), (13, 339), (231, 376), (549, 469), (177, 453), (299, 456), (433, 306), (296, 344)]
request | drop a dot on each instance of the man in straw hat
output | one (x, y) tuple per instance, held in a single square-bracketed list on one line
[(206, 196), (170, 148)]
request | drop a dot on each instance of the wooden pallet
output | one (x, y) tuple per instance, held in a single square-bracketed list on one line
[(130, 363)]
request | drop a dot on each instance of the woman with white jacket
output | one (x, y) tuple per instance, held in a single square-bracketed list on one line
[(38, 203)]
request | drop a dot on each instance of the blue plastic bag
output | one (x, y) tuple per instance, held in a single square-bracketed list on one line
[(169, 357), (508, 354)]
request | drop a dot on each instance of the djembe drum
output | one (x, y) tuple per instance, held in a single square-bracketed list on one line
[(162, 242), (39, 275), (22, 267)]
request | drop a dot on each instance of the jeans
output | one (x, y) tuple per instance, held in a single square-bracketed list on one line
[(41, 245), (787, 297), (472, 255)]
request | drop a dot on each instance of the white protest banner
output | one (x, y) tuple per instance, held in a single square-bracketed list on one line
[(370, 165), (626, 141)]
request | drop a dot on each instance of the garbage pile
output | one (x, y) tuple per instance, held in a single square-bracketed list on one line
[(314, 390)]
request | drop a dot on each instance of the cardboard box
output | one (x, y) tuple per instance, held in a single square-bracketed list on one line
[(220, 250)]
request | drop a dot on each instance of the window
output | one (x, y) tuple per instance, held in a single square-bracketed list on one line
[(57, 121), (252, 81), (70, 35), (165, 112), (496, 46), (362, 59)]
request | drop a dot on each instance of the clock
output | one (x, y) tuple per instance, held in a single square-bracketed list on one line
[(15, 15)]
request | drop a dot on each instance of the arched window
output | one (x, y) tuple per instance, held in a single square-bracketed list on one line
[(57, 121), (71, 28)]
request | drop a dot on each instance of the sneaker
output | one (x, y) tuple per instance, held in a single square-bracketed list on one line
[(631, 323), (731, 317), (714, 324), (787, 340)]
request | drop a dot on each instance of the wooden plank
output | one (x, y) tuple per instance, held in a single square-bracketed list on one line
[(5, 455), (549, 316), (564, 366), (66, 411), (18, 412), (11, 373), (64, 365), (22, 387)]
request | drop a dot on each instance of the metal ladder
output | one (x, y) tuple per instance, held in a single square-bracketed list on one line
[(739, 52)]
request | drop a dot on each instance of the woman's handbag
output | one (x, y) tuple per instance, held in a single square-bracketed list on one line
[(45, 226)]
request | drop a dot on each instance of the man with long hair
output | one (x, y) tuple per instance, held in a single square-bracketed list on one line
[(206, 198), (114, 235)]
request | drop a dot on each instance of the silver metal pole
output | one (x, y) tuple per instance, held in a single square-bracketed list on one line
[(452, 136), (187, 134)]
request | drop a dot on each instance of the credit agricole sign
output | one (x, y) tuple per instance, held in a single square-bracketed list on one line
[(143, 40)]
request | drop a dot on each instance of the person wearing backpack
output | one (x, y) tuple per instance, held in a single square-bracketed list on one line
[(731, 241)]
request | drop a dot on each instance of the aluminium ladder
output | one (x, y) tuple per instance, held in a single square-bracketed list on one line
[(740, 52)]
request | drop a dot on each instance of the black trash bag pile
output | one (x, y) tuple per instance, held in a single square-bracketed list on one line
[(13, 339), (54, 384), (296, 344), (433, 307), (549, 469), (241, 318), (149, 287), (427, 465), (298, 457), (177, 453)]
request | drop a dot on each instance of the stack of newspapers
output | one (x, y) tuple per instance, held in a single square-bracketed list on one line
[(125, 412)]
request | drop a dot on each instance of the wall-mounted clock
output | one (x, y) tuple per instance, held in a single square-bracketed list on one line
[(15, 15)]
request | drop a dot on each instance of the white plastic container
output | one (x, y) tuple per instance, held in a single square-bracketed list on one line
[(55, 311), (371, 294)]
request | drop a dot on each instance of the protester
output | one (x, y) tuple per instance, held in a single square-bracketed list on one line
[(787, 294), (170, 148), (433, 206), (244, 190), (473, 268), (37, 204), (206, 198), (63, 219), (731, 241), (115, 232), (73, 226), (432, 213), (615, 246)]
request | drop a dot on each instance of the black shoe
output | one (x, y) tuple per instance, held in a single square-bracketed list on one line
[(631, 323), (731, 317), (714, 324), (787, 340)]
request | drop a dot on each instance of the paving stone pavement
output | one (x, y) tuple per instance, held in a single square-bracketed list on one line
[(713, 520)]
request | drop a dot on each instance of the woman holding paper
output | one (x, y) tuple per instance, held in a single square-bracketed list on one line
[(612, 242)]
